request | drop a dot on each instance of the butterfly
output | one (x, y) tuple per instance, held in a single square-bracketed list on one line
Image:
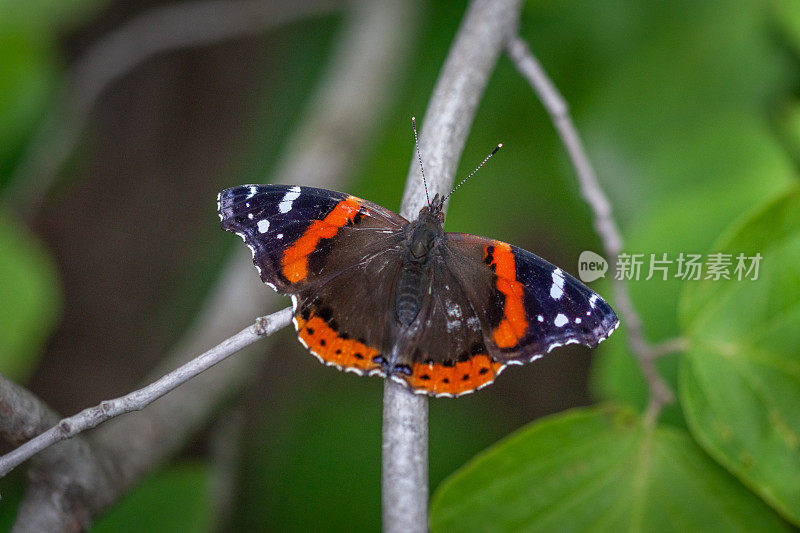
[(373, 293)]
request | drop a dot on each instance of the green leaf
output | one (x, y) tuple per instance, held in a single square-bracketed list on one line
[(176, 499), (30, 299), (740, 378), (597, 469), (786, 18)]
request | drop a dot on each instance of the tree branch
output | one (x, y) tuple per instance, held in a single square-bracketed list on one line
[(375, 37), (556, 106), (139, 399), (22, 414), (483, 32)]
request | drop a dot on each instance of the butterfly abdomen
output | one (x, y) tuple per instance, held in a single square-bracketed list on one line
[(408, 299)]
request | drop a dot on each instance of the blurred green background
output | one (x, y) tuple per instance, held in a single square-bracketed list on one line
[(689, 111)]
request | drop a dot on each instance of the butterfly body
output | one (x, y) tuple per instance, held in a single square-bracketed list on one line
[(442, 313)]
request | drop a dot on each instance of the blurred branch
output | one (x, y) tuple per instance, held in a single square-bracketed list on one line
[(22, 416), (375, 37), (470, 61), (139, 399), (157, 31), (556, 106)]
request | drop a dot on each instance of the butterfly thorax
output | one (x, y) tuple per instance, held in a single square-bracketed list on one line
[(423, 236)]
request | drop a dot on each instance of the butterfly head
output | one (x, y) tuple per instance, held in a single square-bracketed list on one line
[(433, 212), (427, 230)]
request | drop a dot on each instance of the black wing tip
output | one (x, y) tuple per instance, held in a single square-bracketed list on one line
[(608, 321), (608, 326), (229, 199)]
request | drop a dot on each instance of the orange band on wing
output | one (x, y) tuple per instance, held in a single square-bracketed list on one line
[(514, 323), (295, 258), (461, 377), (326, 343)]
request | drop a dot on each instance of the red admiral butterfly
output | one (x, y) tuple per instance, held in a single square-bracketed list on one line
[(372, 293)]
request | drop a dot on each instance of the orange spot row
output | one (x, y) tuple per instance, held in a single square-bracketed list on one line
[(465, 376), (295, 258), (514, 324), (326, 343)]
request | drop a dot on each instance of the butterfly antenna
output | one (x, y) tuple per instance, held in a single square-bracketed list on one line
[(488, 157), (419, 158)]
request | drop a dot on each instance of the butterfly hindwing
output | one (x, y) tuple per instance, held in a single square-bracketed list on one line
[(449, 357), (346, 319)]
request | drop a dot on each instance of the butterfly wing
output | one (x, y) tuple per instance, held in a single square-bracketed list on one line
[(290, 229), (529, 306), (492, 304), (335, 254)]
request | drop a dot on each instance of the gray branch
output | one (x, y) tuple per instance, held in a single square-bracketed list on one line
[(22, 416), (375, 37), (556, 106), (139, 399), (483, 32)]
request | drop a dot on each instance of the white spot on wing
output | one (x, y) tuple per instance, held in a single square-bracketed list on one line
[(557, 288), (540, 318), (288, 199), (263, 225), (279, 235), (454, 316), (252, 192), (578, 320), (560, 320), (250, 216), (593, 300)]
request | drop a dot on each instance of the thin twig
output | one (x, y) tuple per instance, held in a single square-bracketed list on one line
[(156, 31), (485, 28), (347, 100), (139, 399), (556, 106)]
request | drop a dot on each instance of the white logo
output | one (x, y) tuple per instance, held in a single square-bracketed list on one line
[(591, 266)]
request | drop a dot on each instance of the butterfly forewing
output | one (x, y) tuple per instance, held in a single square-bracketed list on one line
[(532, 306), (289, 228)]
